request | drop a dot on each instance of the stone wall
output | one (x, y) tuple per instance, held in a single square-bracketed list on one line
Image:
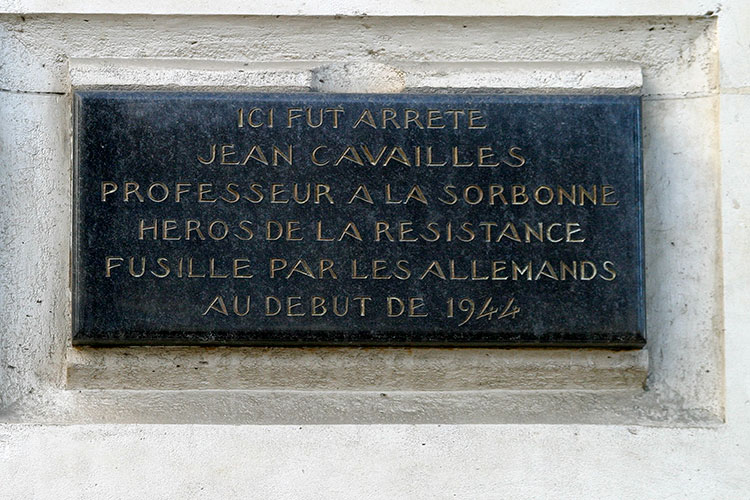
[(670, 420)]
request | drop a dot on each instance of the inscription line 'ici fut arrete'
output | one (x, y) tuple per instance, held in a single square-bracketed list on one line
[(489, 242)]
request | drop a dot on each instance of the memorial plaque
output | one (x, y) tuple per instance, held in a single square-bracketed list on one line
[(327, 219)]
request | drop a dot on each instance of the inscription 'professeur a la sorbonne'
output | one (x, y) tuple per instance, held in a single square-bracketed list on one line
[(312, 202)]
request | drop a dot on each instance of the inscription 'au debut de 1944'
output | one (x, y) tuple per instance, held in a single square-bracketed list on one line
[(314, 219)]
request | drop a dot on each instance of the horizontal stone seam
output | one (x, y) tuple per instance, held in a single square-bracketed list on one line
[(676, 97), (735, 90), (31, 92)]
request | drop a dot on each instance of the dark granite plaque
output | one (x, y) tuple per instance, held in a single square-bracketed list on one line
[(325, 219)]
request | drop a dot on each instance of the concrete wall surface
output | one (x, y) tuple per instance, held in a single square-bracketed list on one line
[(669, 421)]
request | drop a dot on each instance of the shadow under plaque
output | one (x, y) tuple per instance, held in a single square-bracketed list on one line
[(327, 219)]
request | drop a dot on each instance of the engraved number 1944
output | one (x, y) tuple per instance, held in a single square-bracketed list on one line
[(468, 309)]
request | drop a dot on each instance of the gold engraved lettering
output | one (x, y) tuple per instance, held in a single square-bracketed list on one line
[(609, 266), (513, 153), (250, 120), (562, 194), (475, 116), (477, 197), (452, 271), (518, 270), (276, 191), (378, 266), (168, 225), (475, 276), (336, 112), (111, 263), (292, 114), (412, 116), (433, 118), (382, 228), (371, 159), (227, 150), (570, 229), (432, 227), (362, 302), (405, 228), (361, 193), (245, 226), (566, 270), (430, 162), (498, 266), (310, 122), (397, 154), (218, 305), (587, 270), (132, 188), (319, 233), (142, 228), (321, 191), (389, 116), (231, 188), (212, 156), (414, 304), (314, 157), (164, 264), (256, 154), (448, 189), (366, 118), (434, 269), (236, 307), (180, 189), (395, 307), (351, 231), (212, 270), (191, 274), (351, 154), (539, 197), (539, 235), (273, 306), (326, 266), (336, 306), (293, 303), (608, 191), (589, 195), (519, 195), (239, 265), (510, 232), (355, 274), (292, 227), (279, 153), (108, 187), (546, 270), (456, 161), (496, 191), (256, 190), (317, 306), (456, 113), (486, 153), (224, 231), (193, 226), (203, 190), (549, 232), (277, 264), (131, 267)]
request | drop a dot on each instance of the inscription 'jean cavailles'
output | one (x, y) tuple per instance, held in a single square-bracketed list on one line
[(326, 219)]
